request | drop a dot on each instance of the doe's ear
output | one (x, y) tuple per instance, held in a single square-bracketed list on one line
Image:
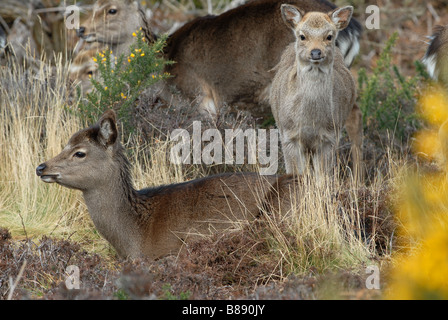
[(291, 15), (341, 17), (108, 133)]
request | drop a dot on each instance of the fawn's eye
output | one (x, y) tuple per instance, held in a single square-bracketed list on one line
[(112, 11), (302, 37), (90, 72), (330, 37), (79, 154)]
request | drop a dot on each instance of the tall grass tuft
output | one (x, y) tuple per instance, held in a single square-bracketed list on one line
[(33, 127), (324, 231)]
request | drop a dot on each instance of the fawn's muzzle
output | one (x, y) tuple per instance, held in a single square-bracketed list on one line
[(316, 54)]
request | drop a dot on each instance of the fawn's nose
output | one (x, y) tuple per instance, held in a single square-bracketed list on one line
[(40, 169), (80, 31), (316, 54)]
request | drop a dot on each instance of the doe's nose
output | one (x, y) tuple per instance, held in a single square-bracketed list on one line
[(40, 169), (316, 54), (80, 31)]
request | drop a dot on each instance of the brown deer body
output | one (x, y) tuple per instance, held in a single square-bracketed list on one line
[(313, 93), (152, 222), (226, 59)]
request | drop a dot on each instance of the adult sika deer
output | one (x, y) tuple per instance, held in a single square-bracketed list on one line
[(152, 222), (313, 92)]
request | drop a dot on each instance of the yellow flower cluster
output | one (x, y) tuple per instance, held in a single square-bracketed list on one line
[(421, 271), (423, 275), (102, 55), (433, 106), (138, 52)]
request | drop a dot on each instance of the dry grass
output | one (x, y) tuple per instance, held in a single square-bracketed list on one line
[(33, 127)]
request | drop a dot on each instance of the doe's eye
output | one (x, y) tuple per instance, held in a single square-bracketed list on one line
[(330, 37), (302, 37), (112, 11), (79, 154)]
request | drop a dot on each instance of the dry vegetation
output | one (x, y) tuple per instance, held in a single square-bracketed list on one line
[(321, 253)]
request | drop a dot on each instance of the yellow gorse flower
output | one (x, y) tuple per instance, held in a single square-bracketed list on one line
[(420, 271), (427, 144), (434, 106)]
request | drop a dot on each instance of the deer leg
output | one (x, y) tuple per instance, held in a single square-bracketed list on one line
[(324, 159), (295, 159), (210, 104), (354, 128)]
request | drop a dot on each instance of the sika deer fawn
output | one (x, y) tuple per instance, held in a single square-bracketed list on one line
[(153, 222), (313, 92)]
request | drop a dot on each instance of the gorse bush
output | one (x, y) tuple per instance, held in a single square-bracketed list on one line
[(386, 98), (122, 79), (420, 267)]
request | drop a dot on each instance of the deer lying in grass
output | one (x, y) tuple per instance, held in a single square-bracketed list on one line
[(221, 59), (153, 222), (313, 93)]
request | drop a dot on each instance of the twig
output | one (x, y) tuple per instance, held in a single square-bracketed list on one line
[(15, 283), (23, 225), (433, 12), (5, 25)]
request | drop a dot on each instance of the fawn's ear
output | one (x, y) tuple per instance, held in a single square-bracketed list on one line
[(108, 133), (291, 15), (341, 17)]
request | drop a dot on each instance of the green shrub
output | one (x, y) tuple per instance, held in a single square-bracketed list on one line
[(386, 98), (122, 79)]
